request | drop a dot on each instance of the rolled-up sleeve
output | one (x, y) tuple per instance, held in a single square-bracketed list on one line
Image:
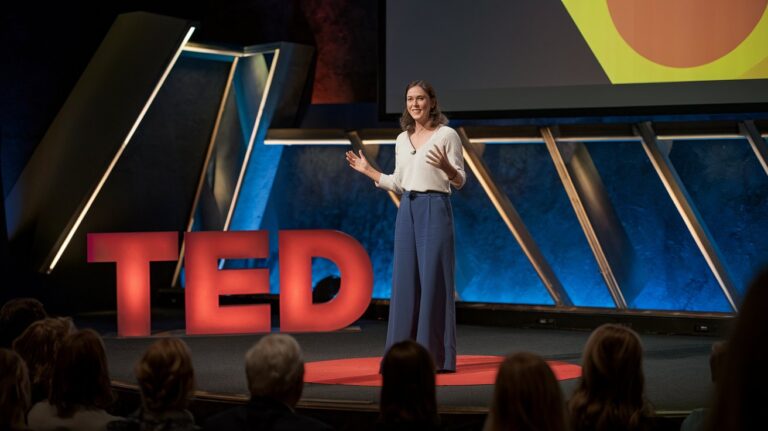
[(392, 182), (456, 157)]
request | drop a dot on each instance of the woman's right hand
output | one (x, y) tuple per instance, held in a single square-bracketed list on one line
[(358, 162)]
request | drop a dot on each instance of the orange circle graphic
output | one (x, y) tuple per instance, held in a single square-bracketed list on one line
[(685, 33)]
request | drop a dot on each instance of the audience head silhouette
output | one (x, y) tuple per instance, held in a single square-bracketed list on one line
[(526, 396), (80, 377), (741, 397), (14, 390), (611, 392), (275, 369), (165, 376), (16, 315), (39, 345), (408, 385)]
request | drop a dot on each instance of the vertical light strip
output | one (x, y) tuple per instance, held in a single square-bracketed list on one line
[(206, 163), (249, 149), (756, 141), (682, 201), (584, 221), (112, 164), (514, 222)]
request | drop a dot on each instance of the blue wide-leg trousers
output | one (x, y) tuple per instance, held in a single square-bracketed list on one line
[(422, 302)]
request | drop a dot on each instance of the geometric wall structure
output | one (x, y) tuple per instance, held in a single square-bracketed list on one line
[(264, 86), (127, 149), (86, 139), (658, 255), (160, 134)]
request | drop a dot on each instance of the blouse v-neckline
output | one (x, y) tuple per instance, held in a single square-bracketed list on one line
[(425, 142)]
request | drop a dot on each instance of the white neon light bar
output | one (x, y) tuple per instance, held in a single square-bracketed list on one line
[(378, 142), (699, 137), (202, 49), (505, 140), (307, 142), (629, 138)]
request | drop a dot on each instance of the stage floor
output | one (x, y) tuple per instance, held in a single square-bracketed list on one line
[(676, 367)]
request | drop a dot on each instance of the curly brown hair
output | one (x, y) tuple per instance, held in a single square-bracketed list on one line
[(14, 390), (165, 376), (436, 117), (38, 345)]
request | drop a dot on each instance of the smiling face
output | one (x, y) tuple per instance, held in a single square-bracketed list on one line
[(419, 104)]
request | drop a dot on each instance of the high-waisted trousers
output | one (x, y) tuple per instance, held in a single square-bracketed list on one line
[(422, 301)]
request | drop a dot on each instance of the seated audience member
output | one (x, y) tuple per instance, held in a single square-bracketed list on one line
[(611, 392), (408, 398), (526, 397), (741, 395), (14, 391), (166, 381), (275, 372), (697, 419), (80, 387), (15, 316), (38, 346)]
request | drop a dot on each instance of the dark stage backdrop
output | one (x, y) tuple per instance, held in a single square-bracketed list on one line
[(47, 45)]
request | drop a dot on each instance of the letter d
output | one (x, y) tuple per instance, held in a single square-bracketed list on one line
[(297, 312)]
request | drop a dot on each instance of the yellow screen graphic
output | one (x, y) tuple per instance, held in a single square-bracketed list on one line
[(645, 41)]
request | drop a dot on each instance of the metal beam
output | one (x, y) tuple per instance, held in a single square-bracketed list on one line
[(205, 167), (251, 140), (514, 222), (594, 232), (691, 217), (756, 141)]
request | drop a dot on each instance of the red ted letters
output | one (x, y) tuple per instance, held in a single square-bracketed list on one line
[(132, 253)]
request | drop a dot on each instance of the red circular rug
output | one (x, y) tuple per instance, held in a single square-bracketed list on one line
[(470, 370)]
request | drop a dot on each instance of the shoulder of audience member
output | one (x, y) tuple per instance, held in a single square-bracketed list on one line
[(234, 419), (413, 426), (314, 424), (41, 410), (238, 419), (179, 421)]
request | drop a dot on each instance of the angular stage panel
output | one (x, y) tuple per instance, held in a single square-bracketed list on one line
[(730, 189), (153, 184), (253, 83), (491, 266), (267, 86), (314, 188), (88, 135), (670, 271), (526, 174)]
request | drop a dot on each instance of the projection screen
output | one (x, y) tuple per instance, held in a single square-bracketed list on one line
[(554, 57)]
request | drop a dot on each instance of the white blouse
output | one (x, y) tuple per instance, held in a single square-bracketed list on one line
[(413, 173)]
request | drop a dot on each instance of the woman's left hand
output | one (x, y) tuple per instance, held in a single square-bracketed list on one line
[(438, 158)]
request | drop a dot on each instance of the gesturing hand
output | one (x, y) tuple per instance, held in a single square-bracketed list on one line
[(357, 162), (438, 158)]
